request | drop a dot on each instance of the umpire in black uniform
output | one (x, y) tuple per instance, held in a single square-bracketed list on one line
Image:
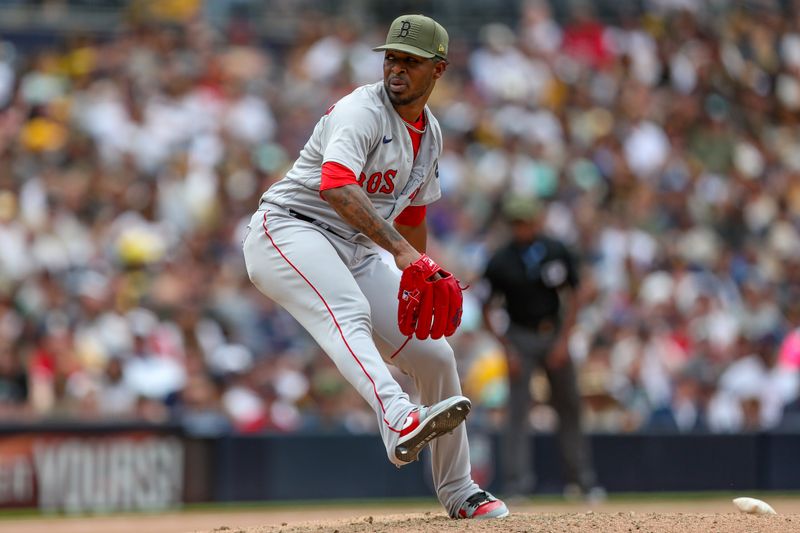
[(535, 277)]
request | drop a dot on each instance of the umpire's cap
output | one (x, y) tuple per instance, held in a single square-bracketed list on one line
[(523, 208), (418, 35)]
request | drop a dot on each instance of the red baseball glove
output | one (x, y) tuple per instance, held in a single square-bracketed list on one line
[(427, 306)]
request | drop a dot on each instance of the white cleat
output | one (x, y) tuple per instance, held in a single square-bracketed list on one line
[(427, 423)]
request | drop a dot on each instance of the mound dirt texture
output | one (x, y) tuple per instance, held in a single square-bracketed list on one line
[(618, 515), (553, 523)]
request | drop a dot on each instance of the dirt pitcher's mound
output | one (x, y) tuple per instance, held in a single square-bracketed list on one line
[(589, 522)]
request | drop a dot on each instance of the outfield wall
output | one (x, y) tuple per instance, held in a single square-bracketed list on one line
[(108, 468), (300, 467)]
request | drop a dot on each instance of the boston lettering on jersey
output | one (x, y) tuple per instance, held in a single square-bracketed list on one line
[(378, 181)]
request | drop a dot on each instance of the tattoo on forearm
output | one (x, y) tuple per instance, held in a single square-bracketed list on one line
[(354, 207)]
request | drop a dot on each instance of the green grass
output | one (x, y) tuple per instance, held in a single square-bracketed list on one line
[(300, 504)]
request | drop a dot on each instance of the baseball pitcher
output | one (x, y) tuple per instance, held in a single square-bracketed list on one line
[(364, 179)]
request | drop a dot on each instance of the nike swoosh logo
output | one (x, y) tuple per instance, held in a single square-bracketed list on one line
[(386, 141), (408, 422)]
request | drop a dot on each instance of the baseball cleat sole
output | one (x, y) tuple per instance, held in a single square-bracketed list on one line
[(440, 418)]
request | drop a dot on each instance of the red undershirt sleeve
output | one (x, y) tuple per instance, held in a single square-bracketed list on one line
[(335, 175), (412, 215)]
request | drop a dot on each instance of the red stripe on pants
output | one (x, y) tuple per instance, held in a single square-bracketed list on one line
[(336, 322)]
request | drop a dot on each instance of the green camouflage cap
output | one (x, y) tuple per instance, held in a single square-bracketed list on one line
[(418, 35)]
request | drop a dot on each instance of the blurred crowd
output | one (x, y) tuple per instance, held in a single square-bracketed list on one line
[(665, 144)]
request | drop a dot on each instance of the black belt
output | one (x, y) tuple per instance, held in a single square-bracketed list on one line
[(318, 223)]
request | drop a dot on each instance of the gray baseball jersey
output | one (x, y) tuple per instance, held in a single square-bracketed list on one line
[(340, 290), (364, 133)]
